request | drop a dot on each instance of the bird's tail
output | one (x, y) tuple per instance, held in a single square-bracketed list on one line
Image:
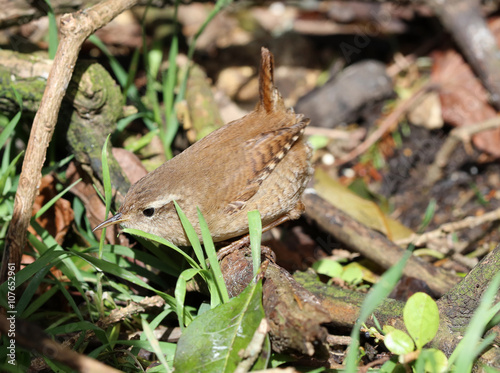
[(270, 98)]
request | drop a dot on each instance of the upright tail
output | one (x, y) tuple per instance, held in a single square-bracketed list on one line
[(270, 98)]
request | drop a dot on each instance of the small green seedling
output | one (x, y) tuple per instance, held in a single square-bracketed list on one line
[(351, 274), (421, 318)]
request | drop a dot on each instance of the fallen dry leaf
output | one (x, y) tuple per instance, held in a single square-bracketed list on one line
[(130, 164), (94, 207), (58, 218), (463, 98)]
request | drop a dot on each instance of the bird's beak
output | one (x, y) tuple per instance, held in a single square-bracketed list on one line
[(111, 221)]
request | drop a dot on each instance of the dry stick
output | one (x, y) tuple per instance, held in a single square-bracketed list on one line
[(366, 367), (338, 340), (443, 230), (254, 348), (457, 136), (74, 29), (372, 244), (335, 134), (387, 123)]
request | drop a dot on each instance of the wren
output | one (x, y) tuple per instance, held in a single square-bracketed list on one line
[(259, 162)]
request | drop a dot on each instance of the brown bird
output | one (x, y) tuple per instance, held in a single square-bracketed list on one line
[(259, 162)]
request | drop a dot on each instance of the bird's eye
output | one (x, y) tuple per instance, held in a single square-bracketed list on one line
[(149, 212)]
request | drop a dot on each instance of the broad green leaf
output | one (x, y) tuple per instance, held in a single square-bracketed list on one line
[(318, 141), (421, 317), (434, 361), (387, 329), (214, 340), (352, 274), (328, 267), (398, 342)]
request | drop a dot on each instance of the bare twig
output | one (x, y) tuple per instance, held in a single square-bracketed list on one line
[(254, 348), (467, 223), (338, 340), (334, 133), (372, 244), (74, 29), (366, 367)]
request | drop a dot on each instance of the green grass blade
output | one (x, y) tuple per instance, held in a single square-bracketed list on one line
[(106, 178), (377, 294), (173, 123), (151, 260), (212, 258), (5, 176), (466, 351), (48, 243), (255, 231), (50, 257), (108, 191), (53, 33), (140, 143), (429, 214), (180, 295), (192, 236), (7, 131), (70, 299), (66, 265), (120, 73), (129, 89), (148, 331), (30, 290), (171, 264), (139, 270), (219, 5), (157, 320), (116, 270), (169, 79), (162, 241), (39, 302), (124, 122)]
